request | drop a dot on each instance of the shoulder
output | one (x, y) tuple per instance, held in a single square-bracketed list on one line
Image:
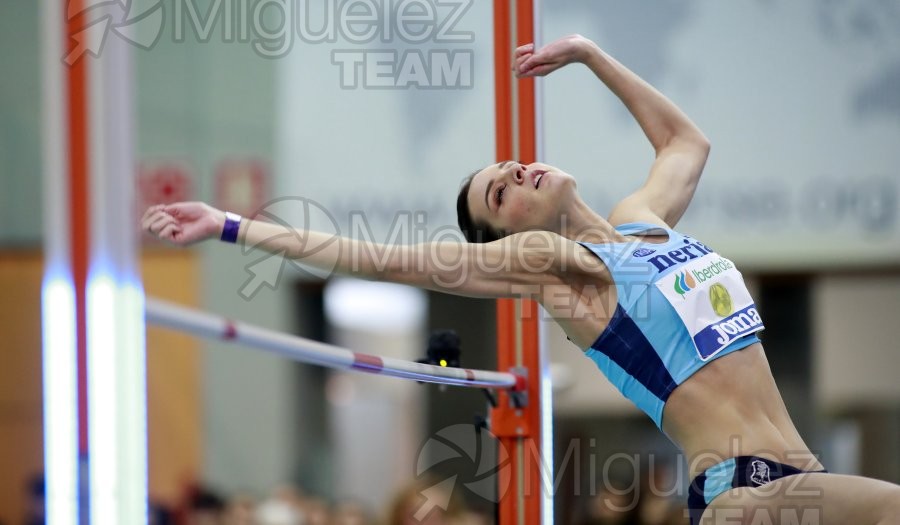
[(560, 257)]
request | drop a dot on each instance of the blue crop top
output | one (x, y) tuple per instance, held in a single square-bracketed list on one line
[(680, 305)]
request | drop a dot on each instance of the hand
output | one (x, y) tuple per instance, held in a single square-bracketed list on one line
[(559, 53), (183, 223)]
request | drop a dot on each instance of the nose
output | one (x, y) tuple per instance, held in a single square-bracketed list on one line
[(519, 174)]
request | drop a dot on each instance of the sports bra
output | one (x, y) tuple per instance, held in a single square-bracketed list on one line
[(680, 306)]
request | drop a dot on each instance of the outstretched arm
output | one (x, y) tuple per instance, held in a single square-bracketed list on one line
[(514, 266), (681, 148)]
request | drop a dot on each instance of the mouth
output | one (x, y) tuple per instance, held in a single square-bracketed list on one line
[(537, 176)]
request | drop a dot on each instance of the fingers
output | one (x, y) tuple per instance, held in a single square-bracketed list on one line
[(156, 221), (161, 223), (179, 209), (150, 217), (149, 213), (524, 50), (520, 61), (533, 66), (521, 55), (169, 231), (534, 72)]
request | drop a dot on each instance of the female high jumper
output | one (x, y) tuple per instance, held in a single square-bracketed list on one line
[(666, 318)]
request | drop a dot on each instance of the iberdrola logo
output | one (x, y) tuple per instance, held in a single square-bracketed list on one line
[(684, 283)]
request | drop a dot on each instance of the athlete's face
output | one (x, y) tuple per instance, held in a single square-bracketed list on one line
[(513, 197)]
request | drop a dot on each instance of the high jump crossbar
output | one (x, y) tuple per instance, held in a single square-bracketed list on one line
[(210, 326)]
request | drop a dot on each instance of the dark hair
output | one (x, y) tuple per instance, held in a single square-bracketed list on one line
[(479, 232)]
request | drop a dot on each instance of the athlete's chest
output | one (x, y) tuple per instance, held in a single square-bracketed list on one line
[(665, 289)]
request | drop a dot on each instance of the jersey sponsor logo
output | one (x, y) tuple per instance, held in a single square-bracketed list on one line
[(712, 302), (720, 300), (684, 283), (719, 335), (690, 251), (643, 252), (760, 474), (716, 267)]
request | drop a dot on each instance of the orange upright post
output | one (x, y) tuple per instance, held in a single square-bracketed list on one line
[(79, 167), (517, 421)]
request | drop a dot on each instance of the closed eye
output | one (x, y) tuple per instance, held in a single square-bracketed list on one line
[(498, 195)]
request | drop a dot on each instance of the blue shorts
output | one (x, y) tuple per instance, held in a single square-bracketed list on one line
[(741, 471)]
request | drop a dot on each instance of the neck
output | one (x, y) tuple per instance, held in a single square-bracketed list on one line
[(584, 224)]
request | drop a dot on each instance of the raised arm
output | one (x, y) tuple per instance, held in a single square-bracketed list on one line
[(681, 148), (515, 266)]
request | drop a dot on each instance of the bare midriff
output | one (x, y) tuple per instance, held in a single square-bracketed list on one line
[(732, 407)]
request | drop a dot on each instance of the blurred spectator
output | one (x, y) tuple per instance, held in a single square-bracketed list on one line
[(34, 495), (240, 510), (349, 512), (317, 511), (205, 508), (613, 503), (658, 503), (475, 518), (410, 506), (284, 507), (158, 514), (34, 510), (655, 510)]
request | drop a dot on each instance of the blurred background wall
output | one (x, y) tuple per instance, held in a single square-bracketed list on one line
[(799, 99)]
